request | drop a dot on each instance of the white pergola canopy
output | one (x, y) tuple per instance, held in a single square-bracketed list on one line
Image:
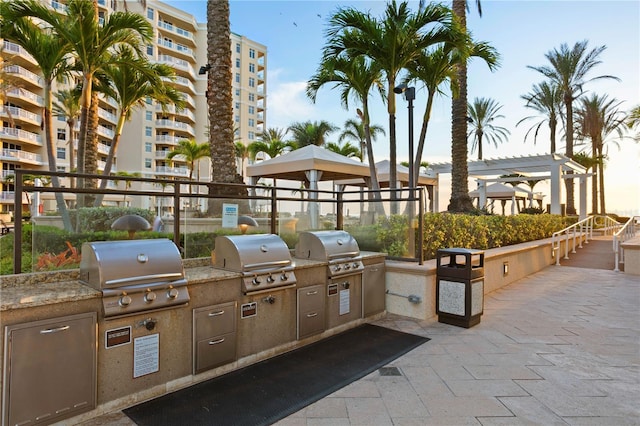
[(383, 171), (553, 167), (501, 191)]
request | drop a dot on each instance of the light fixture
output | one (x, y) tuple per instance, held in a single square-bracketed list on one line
[(505, 269), (204, 69), (244, 222), (409, 96)]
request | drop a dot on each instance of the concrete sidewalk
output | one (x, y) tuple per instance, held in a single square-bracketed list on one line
[(561, 346)]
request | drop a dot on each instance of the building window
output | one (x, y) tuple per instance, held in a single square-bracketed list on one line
[(148, 100), (252, 97), (149, 50), (237, 62), (149, 115), (252, 53), (147, 147), (61, 154), (62, 135), (237, 105), (237, 47), (252, 109), (237, 118), (147, 163), (252, 82), (251, 135), (252, 67), (252, 122), (237, 92), (237, 77), (62, 118), (148, 131), (150, 13)]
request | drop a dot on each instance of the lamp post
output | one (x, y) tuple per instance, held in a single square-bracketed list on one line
[(409, 96)]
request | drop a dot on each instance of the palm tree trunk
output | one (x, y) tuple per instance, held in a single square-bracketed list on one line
[(91, 149), (109, 162), (601, 178), (568, 101), (594, 178), (460, 200)]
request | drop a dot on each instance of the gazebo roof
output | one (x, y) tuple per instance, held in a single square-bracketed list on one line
[(501, 191), (294, 165), (382, 170)]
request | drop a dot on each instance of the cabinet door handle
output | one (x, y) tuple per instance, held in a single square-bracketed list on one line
[(311, 293), (215, 342), (215, 314), (315, 314), (55, 329)]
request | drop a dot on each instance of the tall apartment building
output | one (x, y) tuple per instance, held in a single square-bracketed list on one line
[(179, 41)]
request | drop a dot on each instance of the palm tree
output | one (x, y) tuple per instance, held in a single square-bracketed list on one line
[(346, 149), (242, 153), (220, 99), (354, 130), (437, 67), (310, 133), (633, 120), (598, 117), (50, 52), (546, 99), (130, 87), (91, 43), (192, 152), (568, 70), (271, 143), (482, 113), (460, 200), (68, 106), (357, 77), (392, 42)]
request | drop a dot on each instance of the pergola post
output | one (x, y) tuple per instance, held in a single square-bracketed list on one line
[(555, 188), (583, 197), (482, 194), (313, 176)]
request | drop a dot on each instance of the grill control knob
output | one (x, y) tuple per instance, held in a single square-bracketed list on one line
[(337, 268), (284, 276), (270, 279), (256, 281), (125, 300), (347, 266), (149, 297), (172, 293), (356, 265)]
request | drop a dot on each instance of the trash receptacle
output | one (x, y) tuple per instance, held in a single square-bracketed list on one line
[(460, 286)]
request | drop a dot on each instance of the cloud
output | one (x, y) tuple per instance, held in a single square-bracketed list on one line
[(287, 102)]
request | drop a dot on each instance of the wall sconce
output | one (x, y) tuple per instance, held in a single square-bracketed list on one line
[(244, 222), (204, 69)]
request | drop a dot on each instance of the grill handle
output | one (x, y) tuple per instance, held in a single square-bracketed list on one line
[(143, 287), (267, 264), (344, 254), (137, 279)]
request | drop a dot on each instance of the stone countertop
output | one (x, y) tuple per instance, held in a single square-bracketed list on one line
[(46, 288)]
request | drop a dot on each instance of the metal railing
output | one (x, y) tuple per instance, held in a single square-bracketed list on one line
[(579, 230), (625, 233), (271, 205)]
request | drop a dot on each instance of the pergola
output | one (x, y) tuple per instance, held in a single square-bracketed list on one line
[(552, 167), (505, 192), (310, 164)]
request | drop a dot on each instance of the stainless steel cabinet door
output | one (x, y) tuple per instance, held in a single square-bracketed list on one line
[(50, 369)]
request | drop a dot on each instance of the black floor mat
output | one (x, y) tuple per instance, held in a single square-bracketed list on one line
[(268, 391)]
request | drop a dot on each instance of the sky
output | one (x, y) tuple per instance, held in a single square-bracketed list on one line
[(521, 31)]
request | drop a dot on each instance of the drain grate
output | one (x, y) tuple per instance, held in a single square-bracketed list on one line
[(389, 371)]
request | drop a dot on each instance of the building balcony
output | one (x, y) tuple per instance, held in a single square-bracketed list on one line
[(20, 156), (172, 171), (178, 64), (177, 125), (106, 115), (160, 155), (17, 70), (27, 96), (14, 49), (19, 114), (19, 135), (177, 47), (181, 81), (165, 26), (167, 139), (106, 132)]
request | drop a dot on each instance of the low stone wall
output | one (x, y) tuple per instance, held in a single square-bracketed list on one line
[(405, 279), (632, 256)]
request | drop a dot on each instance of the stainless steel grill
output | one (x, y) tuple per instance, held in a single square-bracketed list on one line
[(338, 248), (134, 275), (264, 261)]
